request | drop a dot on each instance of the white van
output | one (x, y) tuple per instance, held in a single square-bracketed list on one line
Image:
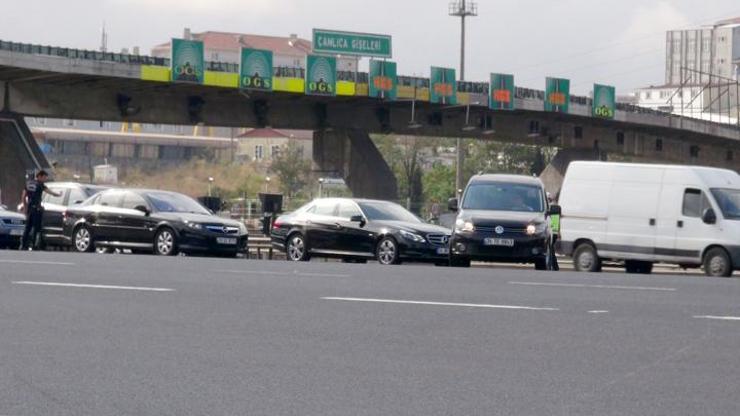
[(643, 214)]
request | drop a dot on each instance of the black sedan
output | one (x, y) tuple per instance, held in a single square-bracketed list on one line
[(70, 194), (165, 223), (358, 230)]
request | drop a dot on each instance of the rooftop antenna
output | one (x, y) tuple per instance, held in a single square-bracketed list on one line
[(103, 39)]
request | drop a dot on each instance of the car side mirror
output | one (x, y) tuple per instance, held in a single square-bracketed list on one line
[(554, 210), (452, 204), (358, 218), (709, 217), (143, 209)]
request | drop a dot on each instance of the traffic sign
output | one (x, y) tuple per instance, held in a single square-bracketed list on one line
[(321, 75), (351, 43), (557, 95), (443, 86), (502, 92), (604, 102), (382, 80), (256, 70)]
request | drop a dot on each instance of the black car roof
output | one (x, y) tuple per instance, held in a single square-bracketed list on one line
[(517, 179)]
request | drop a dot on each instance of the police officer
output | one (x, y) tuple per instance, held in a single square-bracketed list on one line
[(31, 198), (555, 228)]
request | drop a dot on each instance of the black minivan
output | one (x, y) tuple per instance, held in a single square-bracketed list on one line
[(502, 218)]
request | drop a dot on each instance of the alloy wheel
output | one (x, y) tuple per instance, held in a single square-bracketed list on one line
[(83, 240), (165, 242), (296, 248), (387, 252)]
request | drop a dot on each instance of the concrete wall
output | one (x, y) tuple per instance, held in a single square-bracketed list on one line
[(19, 153)]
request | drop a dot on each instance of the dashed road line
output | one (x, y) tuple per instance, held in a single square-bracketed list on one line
[(89, 286), (582, 285), (293, 273), (418, 302), (718, 318), (52, 263)]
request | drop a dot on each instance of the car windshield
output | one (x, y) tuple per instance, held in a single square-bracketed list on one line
[(728, 201), (172, 202), (387, 211), (497, 196)]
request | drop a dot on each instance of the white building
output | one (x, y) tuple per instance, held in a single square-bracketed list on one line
[(702, 69), (288, 51)]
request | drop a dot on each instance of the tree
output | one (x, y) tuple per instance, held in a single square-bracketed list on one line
[(292, 169)]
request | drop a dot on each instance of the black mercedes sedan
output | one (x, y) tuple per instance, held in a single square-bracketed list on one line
[(165, 223), (358, 230)]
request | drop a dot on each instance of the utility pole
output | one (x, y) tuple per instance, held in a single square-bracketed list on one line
[(461, 9)]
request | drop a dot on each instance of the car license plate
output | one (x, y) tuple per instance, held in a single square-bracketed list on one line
[(443, 250), (505, 242), (16, 232), (224, 240)]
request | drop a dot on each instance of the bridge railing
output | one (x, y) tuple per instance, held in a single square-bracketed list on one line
[(82, 54)]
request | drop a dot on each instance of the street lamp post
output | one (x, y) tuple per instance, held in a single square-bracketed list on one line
[(210, 182), (461, 9)]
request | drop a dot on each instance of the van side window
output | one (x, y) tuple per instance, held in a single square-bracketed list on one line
[(694, 203)]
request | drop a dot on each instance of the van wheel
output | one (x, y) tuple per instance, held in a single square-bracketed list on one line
[(638, 267), (585, 259), (717, 263)]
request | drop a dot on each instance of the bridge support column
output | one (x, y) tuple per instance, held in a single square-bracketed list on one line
[(352, 155), (18, 153), (554, 173)]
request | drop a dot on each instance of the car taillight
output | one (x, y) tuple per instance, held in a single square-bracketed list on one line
[(65, 215), (277, 224)]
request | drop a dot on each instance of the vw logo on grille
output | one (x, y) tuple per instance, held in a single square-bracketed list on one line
[(499, 229)]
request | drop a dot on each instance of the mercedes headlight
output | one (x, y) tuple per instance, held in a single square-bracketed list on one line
[(462, 225), (412, 236)]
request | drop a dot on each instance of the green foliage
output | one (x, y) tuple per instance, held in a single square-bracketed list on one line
[(293, 171), (439, 183)]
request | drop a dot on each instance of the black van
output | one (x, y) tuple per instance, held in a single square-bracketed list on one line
[(502, 218)]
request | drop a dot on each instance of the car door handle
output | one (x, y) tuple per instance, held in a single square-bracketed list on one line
[(679, 224), (652, 221)]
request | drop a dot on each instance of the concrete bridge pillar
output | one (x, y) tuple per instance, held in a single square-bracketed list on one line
[(18, 153), (554, 173), (352, 155)]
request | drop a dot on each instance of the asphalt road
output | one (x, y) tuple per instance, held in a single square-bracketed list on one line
[(141, 335)]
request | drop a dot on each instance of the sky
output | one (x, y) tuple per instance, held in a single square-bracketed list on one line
[(618, 43)]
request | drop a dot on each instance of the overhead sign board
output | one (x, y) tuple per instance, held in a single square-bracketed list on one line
[(255, 71), (501, 92), (188, 64), (321, 75), (443, 86), (604, 102), (382, 80), (352, 43), (557, 95)]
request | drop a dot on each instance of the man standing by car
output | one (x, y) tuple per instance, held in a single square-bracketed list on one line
[(31, 198), (555, 228)]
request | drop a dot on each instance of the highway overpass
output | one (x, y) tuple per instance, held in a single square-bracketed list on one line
[(73, 84)]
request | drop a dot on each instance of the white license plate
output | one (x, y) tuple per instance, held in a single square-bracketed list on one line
[(224, 240), (16, 232), (505, 242), (443, 250)]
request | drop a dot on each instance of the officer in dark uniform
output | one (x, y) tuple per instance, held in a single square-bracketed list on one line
[(31, 198)]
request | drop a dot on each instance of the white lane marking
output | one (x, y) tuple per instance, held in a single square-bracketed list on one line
[(54, 263), (663, 289), (293, 273), (418, 302), (80, 285), (719, 318), (598, 311)]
